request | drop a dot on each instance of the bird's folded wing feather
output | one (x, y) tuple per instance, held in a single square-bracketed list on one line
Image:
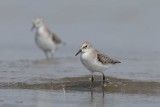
[(104, 59), (54, 37)]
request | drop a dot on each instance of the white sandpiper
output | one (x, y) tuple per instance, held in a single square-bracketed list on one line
[(44, 38), (94, 60)]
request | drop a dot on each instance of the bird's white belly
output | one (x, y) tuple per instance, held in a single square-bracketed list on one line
[(92, 64), (45, 43)]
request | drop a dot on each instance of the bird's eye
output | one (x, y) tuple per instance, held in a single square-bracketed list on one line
[(85, 47)]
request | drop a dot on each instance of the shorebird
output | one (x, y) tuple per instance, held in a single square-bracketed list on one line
[(44, 38), (94, 60)]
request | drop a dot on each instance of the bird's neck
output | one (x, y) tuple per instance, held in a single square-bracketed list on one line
[(41, 29), (88, 54)]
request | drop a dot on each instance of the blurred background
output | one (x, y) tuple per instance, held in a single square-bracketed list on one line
[(123, 28)]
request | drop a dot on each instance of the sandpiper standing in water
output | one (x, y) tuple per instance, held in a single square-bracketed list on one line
[(44, 38), (94, 60)]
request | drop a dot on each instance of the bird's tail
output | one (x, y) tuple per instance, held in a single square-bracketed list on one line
[(116, 61)]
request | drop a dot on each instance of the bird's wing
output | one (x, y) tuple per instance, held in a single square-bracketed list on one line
[(54, 37), (104, 59)]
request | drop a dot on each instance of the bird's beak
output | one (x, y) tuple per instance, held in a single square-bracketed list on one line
[(78, 52), (33, 26)]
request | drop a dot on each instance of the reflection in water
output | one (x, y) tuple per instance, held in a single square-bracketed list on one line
[(93, 101), (74, 91), (50, 98), (40, 97)]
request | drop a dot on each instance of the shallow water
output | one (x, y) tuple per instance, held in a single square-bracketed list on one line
[(43, 98), (48, 70), (58, 83), (125, 30)]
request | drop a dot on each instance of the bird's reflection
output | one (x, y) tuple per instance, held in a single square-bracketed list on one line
[(94, 96)]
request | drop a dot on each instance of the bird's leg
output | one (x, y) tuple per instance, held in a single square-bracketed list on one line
[(52, 55), (47, 57), (103, 79), (92, 79)]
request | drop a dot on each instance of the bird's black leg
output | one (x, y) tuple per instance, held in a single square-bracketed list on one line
[(52, 55), (92, 79), (47, 57), (103, 79)]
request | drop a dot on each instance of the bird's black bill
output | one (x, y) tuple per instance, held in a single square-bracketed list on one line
[(78, 52)]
